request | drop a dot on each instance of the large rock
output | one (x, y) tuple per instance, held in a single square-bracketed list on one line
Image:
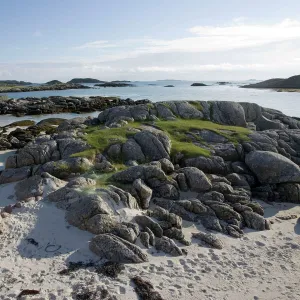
[(101, 223), (167, 245), (210, 165), (145, 172), (272, 167), (144, 193), (84, 209), (145, 221), (13, 175), (155, 144), (63, 168), (228, 113), (131, 150), (196, 179), (37, 186), (116, 249)]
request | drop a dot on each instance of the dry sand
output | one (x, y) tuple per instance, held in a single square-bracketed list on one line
[(261, 265)]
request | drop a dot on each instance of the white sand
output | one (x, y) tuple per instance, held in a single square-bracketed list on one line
[(261, 265)]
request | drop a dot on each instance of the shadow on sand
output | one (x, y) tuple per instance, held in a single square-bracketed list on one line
[(52, 236)]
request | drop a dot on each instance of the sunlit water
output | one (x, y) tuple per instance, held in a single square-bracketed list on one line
[(288, 103)]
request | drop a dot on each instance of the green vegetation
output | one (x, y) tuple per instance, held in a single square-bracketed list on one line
[(3, 97), (105, 179), (21, 123), (100, 139), (181, 132), (196, 104), (178, 129)]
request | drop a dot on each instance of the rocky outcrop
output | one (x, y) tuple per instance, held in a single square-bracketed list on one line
[(59, 104), (116, 249), (272, 167), (209, 239)]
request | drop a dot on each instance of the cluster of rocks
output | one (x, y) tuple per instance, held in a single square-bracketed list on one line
[(59, 104), (221, 186)]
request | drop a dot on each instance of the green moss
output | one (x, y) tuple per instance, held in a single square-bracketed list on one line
[(21, 123), (150, 106), (3, 97), (197, 105), (178, 129), (99, 139)]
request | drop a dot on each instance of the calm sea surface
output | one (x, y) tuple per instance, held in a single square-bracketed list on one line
[(288, 103)]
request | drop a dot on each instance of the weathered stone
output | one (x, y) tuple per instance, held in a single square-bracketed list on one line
[(144, 193), (116, 249), (168, 246), (271, 167), (145, 239), (196, 179), (101, 223), (209, 238), (166, 166), (13, 175), (145, 221), (85, 208)]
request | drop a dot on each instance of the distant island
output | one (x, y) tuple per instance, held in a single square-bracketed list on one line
[(85, 80), (114, 84), (54, 82), (170, 85), (223, 82), (14, 82), (198, 84), (277, 83), (43, 87)]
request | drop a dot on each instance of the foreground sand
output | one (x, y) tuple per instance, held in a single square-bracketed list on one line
[(261, 265)]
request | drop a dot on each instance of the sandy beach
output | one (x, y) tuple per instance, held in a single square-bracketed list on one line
[(260, 265)]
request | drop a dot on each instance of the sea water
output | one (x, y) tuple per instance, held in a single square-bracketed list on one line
[(288, 103)]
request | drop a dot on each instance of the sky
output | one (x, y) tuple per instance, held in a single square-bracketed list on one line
[(198, 40)]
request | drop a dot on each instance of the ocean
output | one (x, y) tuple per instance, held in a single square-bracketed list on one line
[(288, 103)]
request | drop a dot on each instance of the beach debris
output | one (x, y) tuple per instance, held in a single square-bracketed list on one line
[(75, 266), (110, 269), (32, 241), (287, 217), (28, 292), (145, 289)]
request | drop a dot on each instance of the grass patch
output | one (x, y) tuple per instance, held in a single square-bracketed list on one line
[(21, 123), (3, 97), (100, 139), (197, 105), (178, 129)]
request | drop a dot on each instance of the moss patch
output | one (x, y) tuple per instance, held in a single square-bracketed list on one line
[(178, 129), (197, 105), (100, 139), (21, 123)]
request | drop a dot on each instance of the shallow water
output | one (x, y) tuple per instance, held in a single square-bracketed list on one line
[(288, 103)]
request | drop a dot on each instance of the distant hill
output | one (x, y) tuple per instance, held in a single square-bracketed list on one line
[(14, 82), (53, 82), (198, 84), (277, 83), (85, 80)]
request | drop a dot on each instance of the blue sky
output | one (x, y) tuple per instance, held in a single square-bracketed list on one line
[(147, 40)]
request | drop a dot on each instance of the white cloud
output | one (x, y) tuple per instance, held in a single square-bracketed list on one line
[(96, 44), (207, 39)]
